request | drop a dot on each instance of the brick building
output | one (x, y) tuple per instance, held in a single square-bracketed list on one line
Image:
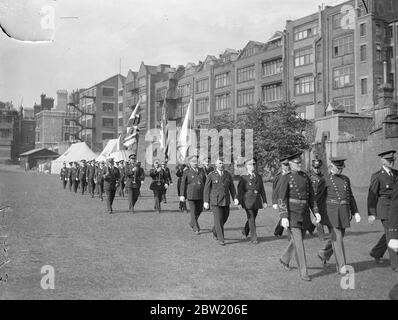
[(8, 118)]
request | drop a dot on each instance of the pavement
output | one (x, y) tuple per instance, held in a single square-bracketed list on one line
[(145, 255)]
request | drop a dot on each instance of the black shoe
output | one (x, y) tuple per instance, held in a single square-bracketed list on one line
[(394, 269), (110, 212), (215, 237), (377, 260), (285, 266)]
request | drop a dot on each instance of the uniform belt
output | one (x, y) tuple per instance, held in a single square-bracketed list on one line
[(337, 201), (298, 201), (386, 197)]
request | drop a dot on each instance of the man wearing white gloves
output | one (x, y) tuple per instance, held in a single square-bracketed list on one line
[(218, 189), (379, 200), (340, 208), (296, 198)]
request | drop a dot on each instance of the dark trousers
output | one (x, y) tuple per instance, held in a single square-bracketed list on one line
[(183, 206), (338, 247), (221, 215), (100, 189), (75, 185), (70, 184), (157, 194), (250, 224), (327, 251), (121, 188), (132, 196), (278, 229), (195, 208), (83, 185), (381, 247), (110, 196), (91, 186), (296, 246), (164, 195), (64, 183)]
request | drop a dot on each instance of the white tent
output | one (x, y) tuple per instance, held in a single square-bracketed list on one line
[(110, 147), (76, 152)]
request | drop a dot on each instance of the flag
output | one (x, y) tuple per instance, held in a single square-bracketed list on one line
[(164, 130), (132, 130), (365, 5), (184, 136)]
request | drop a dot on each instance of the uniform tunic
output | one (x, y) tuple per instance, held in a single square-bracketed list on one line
[(251, 193)]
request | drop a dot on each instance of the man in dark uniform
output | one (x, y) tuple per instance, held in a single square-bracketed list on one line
[(379, 200), (69, 179), (393, 231), (158, 184), (111, 182), (64, 175), (169, 181), (180, 168), (219, 187), (340, 208), (318, 181), (296, 201), (120, 166), (90, 177), (192, 186), (74, 176), (134, 177), (83, 176), (285, 169), (251, 196), (99, 179)]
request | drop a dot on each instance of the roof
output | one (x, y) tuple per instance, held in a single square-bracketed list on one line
[(33, 151)]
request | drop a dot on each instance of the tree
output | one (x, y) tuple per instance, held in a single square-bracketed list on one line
[(276, 132)]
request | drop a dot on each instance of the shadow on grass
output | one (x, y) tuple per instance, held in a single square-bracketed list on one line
[(358, 267)]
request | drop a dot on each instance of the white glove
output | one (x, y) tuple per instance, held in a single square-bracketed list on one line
[(206, 205), (236, 202), (371, 219), (285, 223), (182, 198), (275, 206), (318, 218), (166, 185), (265, 205), (393, 244), (357, 218)]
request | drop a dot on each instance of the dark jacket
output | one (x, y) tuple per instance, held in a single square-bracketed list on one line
[(179, 173), (64, 173), (296, 198), (218, 189), (111, 178), (135, 177), (90, 172), (380, 191), (318, 185), (251, 193), (83, 173), (393, 213), (73, 174), (193, 183), (159, 179)]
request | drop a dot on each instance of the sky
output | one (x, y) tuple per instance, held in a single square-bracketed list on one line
[(88, 47)]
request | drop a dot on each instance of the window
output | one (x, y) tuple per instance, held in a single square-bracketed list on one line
[(343, 77), (5, 133), (184, 90), (107, 122), (342, 46), (388, 32), (379, 56), (108, 92), (305, 31), (319, 82), (142, 82), (379, 82), (249, 52), (378, 29), (246, 74), (342, 19), (246, 97), (364, 86), (120, 122), (66, 136), (223, 101), (303, 57), (272, 67), (107, 136), (389, 53), (89, 123), (202, 85), (304, 85), (391, 78), (67, 122), (121, 93), (336, 21), (347, 102), (222, 80), (362, 29), (363, 52), (272, 92), (107, 107), (121, 106), (202, 106)]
